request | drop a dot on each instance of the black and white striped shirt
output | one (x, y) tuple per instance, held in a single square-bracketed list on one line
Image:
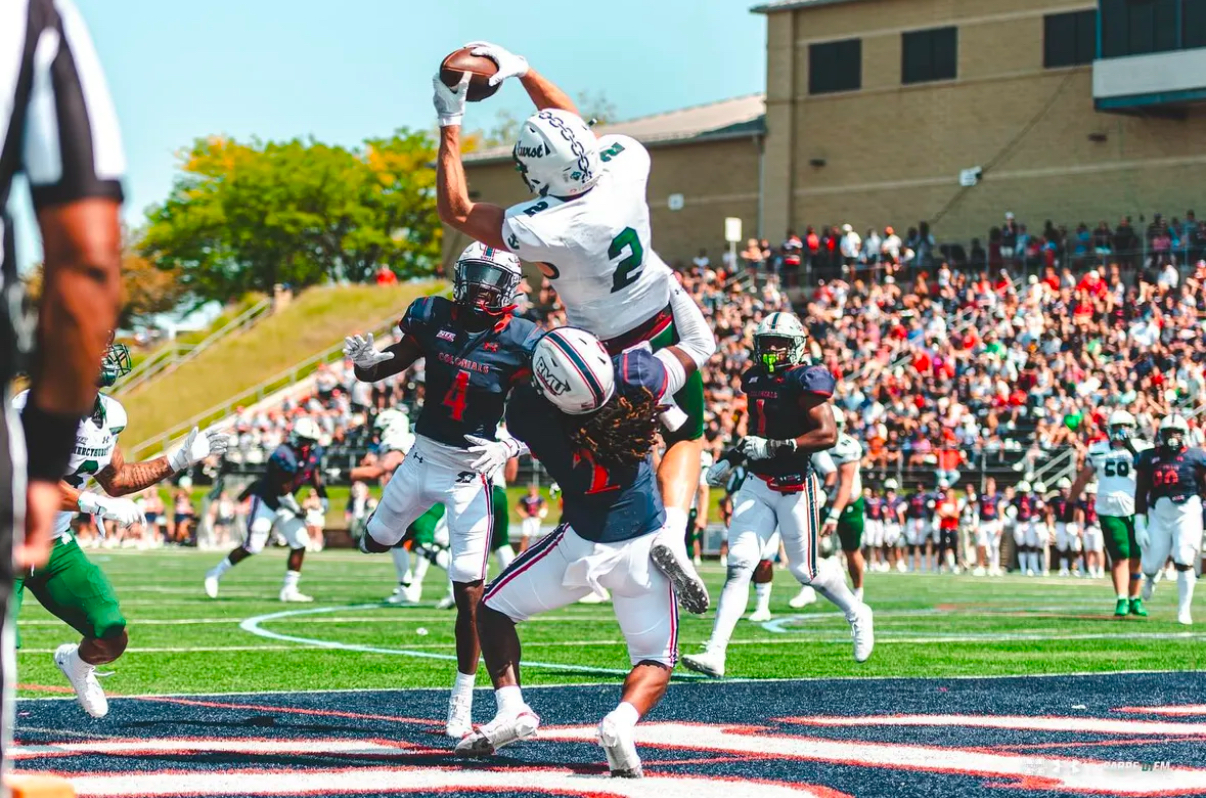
[(57, 121)]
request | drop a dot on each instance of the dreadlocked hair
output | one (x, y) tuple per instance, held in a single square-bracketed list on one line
[(622, 432)]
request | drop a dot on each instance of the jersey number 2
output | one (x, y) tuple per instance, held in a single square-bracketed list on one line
[(627, 270), (454, 400)]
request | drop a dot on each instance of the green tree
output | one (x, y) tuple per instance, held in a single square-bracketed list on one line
[(246, 216), (596, 106)]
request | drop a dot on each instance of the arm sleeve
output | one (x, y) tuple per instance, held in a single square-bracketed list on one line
[(694, 336), (72, 143)]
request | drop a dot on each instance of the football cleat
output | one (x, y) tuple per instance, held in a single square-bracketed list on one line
[(1149, 586), (1184, 618), (446, 603), (1122, 608), (901, 567), (978, 571), (709, 663), (1137, 608), (293, 595), (211, 585), (460, 716), (82, 677), (690, 589), (414, 593), (805, 597), (617, 742), (502, 731), (760, 615), (400, 596), (863, 632)]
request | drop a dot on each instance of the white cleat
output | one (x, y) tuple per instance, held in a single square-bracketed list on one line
[(709, 663), (414, 593), (446, 603), (690, 589), (460, 716), (1064, 572), (82, 677), (211, 586), (901, 567), (400, 596), (502, 731), (805, 597), (1149, 586), (602, 597), (978, 571), (1184, 619), (293, 595), (760, 615), (1029, 572), (617, 742), (863, 631)]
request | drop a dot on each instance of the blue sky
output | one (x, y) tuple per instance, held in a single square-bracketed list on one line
[(358, 68)]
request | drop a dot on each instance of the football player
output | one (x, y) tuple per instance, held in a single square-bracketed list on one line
[(476, 350), (989, 526), (845, 510), (1168, 508), (1110, 463), (1028, 509), (1061, 514), (917, 530), (70, 586), (789, 418), (894, 521), (946, 512), (591, 419), (1086, 517), (532, 509), (588, 229), (873, 541), (293, 466)]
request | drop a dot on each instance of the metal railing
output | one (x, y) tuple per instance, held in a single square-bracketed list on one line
[(174, 355), (256, 393)]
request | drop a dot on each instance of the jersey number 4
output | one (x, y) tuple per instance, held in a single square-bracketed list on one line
[(628, 269), (454, 400)]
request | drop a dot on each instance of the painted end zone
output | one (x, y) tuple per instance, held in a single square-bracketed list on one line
[(1068, 735)]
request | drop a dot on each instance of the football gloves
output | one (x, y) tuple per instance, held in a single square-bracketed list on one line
[(509, 64), (123, 511), (492, 455), (757, 448), (450, 103), (362, 353), (196, 447)]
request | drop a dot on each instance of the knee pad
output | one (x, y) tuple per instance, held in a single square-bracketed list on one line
[(257, 536)]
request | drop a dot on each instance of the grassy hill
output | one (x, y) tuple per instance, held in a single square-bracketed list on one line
[(317, 319)]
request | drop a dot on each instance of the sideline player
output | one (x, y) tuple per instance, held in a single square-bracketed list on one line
[(1169, 485), (1111, 464), (70, 586), (1028, 528), (989, 527), (532, 510), (291, 467), (1061, 514), (1086, 516), (917, 531), (894, 522), (873, 540), (946, 533), (476, 350), (588, 229), (591, 419), (790, 417)]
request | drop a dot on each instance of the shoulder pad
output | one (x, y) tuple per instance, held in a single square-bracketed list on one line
[(418, 315), (815, 380), (522, 230), (20, 399), (1099, 447), (847, 448), (639, 368), (115, 414)]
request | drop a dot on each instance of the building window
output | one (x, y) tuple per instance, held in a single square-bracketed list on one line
[(835, 66), (1137, 27), (929, 55), (1069, 39), (1193, 23)]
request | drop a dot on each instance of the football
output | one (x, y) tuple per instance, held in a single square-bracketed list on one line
[(480, 69)]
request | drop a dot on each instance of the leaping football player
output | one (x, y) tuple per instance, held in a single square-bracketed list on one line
[(476, 350), (72, 587), (588, 230), (592, 420), (1111, 463), (1168, 509), (790, 417)]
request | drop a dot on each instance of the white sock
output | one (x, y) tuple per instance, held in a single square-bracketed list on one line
[(291, 579), (464, 684), (77, 664), (1122, 597), (505, 555), (420, 570), (994, 557), (858, 593), (509, 699), (831, 583), (733, 600), (401, 559), (762, 592), (625, 715), (1185, 580), (221, 568), (676, 528)]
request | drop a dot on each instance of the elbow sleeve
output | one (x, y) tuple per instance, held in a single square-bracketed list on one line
[(694, 336)]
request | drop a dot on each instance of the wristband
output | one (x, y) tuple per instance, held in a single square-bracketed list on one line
[(49, 439), (832, 517)]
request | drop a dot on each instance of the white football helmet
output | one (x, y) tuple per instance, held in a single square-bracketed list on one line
[(1040, 487), (891, 484), (557, 153), (486, 279), (1173, 432), (393, 429), (1023, 487), (1063, 483), (779, 342), (572, 370), (1121, 426), (304, 429)]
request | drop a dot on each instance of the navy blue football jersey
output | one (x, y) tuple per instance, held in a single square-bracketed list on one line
[(288, 470), (875, 508), (603, 505), (918, 505), (778, 412), (1063, 509), (1029, 505), (989, 506), (469, 374), (1173, 476)]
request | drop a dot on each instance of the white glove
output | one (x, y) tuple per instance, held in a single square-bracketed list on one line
[(757, 448), (196, 447), (492, 455), (361, 352), (123, 511), (288, 502), (509, 64), (450, 103), (1141, 535), (718, 473)]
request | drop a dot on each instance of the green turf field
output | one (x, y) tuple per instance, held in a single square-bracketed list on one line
[(925, 626)]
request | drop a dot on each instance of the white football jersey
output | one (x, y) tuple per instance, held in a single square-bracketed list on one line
[(848, 450), (599, 244), (397, 437), (1115, 470), (95, 441)]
